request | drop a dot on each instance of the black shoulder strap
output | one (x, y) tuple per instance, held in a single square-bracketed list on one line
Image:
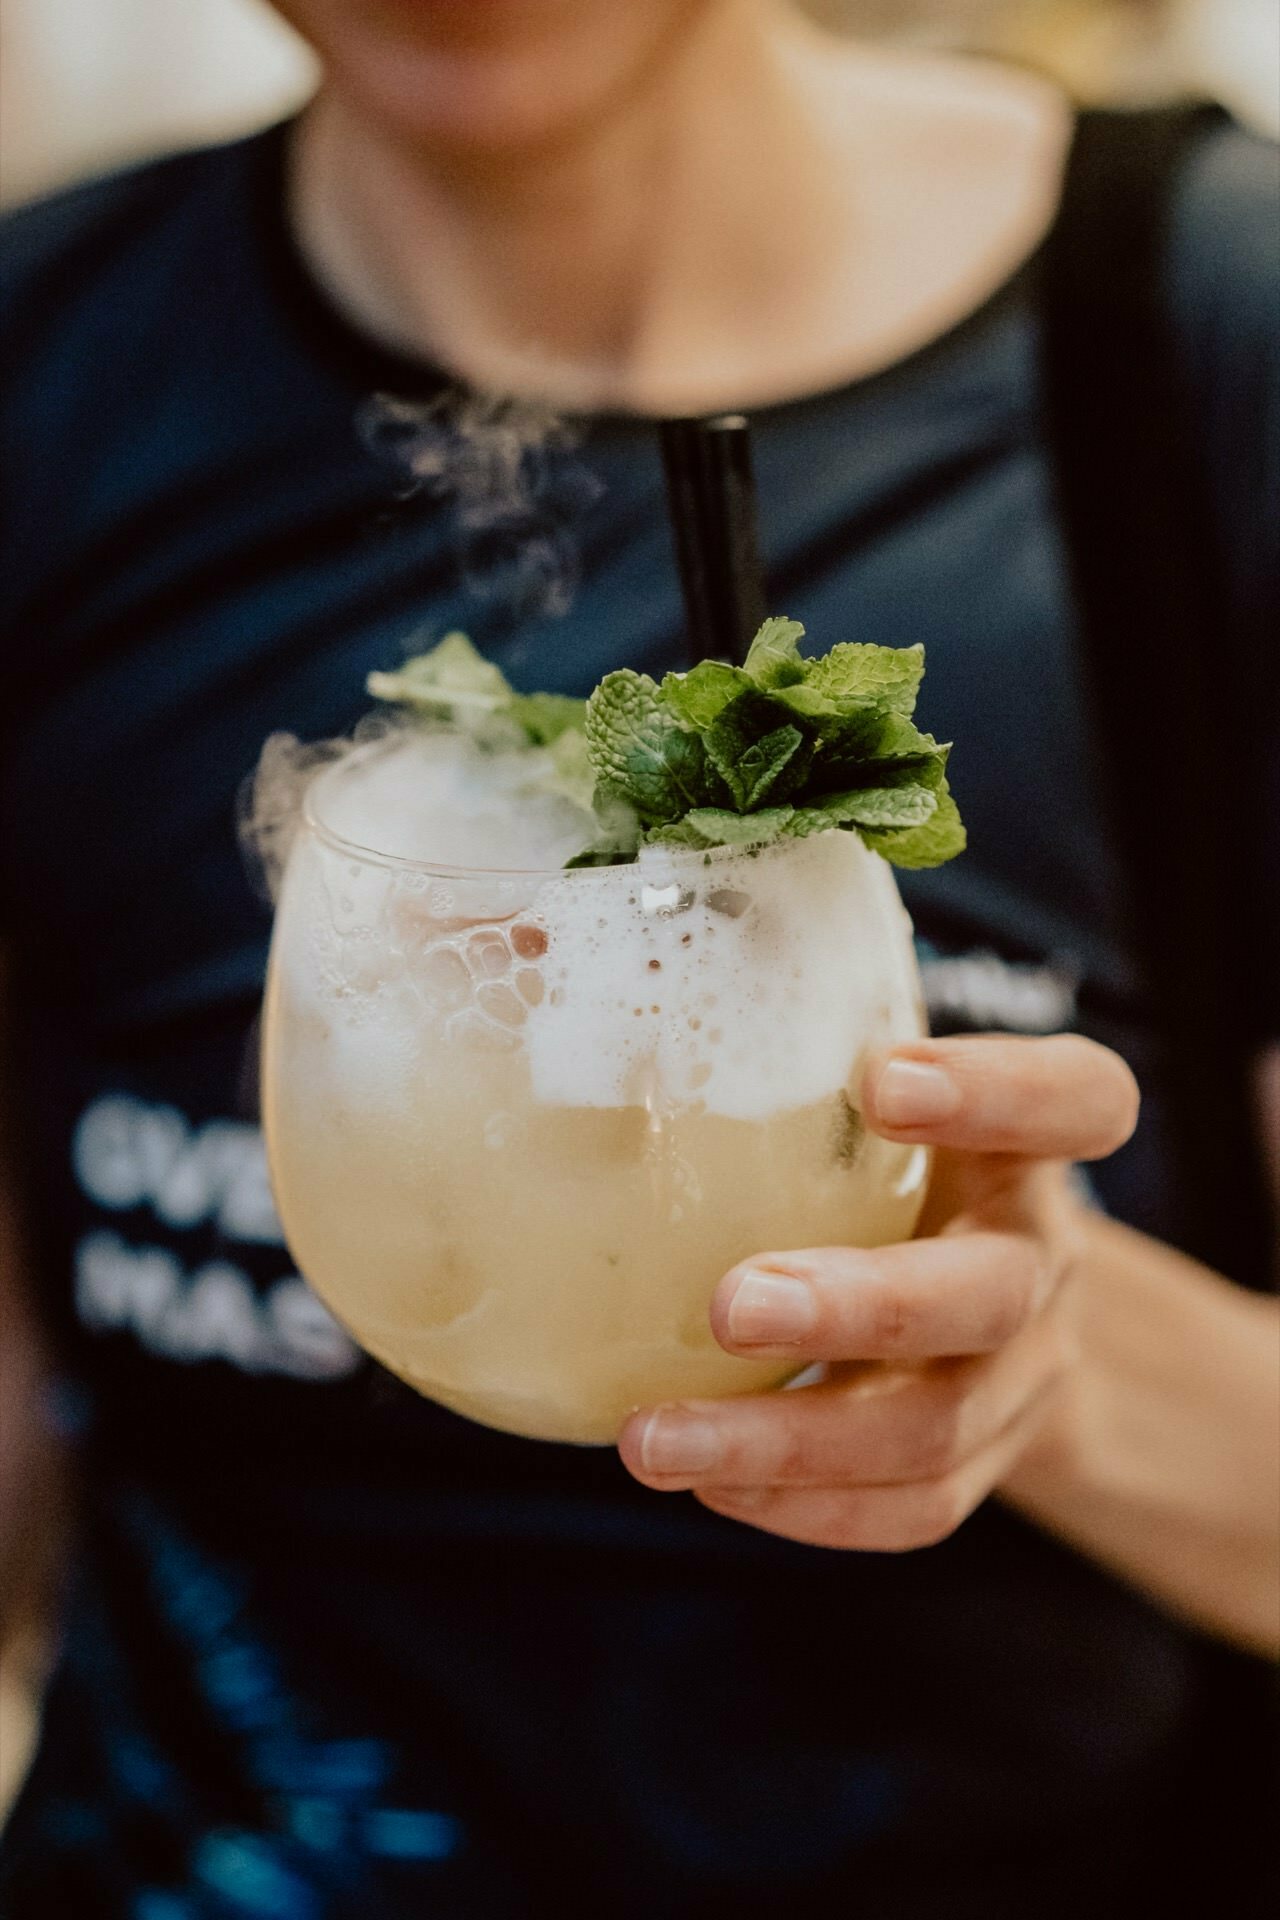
[(1151, 601)]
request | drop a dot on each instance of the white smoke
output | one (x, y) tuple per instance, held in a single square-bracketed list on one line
[(508, 474), (516, 489), (269, 805)]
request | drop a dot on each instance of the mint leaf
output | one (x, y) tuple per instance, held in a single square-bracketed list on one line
[(900, 741), (773, 659), (699, 696), (868, 807), (781, 747), (761, 767), (640, 750), (681, 833), (454, 681), (453, 675), (874, 748), (716, 827), (844, 744), (751, 751), (602, 856), (572, 773), (881, 807), (547, 717), (940, 838), (854, 675), (621, 834)]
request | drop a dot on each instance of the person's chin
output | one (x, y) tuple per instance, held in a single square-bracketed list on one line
[(475, 105)]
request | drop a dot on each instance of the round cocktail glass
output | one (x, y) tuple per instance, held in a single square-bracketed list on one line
[(520, 1123)]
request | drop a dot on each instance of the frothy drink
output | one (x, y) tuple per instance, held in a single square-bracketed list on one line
[(520, 1120)]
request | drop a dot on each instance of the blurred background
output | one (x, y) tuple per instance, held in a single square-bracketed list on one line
[(89, 84)]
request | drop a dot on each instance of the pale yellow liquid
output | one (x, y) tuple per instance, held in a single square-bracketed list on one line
[(547, 1269)]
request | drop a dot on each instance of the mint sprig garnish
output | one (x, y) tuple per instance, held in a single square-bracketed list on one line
[(722, 756), (777, 749), (454, 683)]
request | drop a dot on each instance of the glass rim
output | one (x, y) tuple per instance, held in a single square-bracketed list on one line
[(442, 870)]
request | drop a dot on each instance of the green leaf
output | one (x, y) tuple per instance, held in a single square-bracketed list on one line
[(762, 766), (547, 717), (803, 821), (773, 659), (679, 833), (901, 740), (844, 742), (878, 807), (572, 772), (699, 696), (715, 827), (940, 838), (855, 675), (642, 752), (751, 751), (881, 807), (452, 676), (721, 756), (876, 749), (602, 856), (620, 835)]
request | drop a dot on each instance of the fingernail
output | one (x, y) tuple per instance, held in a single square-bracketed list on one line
[(915, 1093), (769, 1309), (678, 1442)]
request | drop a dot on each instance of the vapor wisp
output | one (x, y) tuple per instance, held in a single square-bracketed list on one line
[(512, 481)]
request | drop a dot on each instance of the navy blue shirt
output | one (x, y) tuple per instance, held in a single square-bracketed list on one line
[(331, 1650)]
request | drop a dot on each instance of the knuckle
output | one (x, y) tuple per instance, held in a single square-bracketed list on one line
[(1011, 1305), (794, 1457), (1063, 1344), (888, 1318)]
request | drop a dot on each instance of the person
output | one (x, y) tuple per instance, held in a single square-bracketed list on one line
[(940, 1634)]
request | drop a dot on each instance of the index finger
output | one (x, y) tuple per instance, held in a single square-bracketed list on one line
[(1060, 1098)]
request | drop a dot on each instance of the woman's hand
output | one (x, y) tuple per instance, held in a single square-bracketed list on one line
[(942, 1356)]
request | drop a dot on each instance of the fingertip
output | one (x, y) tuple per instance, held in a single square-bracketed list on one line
[(1128, 1104), (905, 1093), (764, 1304), (921, 1051), (630, 1441)]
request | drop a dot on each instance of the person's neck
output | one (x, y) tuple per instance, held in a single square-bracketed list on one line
[(592, 273)]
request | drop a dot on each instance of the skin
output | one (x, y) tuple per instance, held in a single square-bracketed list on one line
[(582, 206), (1022, 1345), (942, 1354), (617, 205)]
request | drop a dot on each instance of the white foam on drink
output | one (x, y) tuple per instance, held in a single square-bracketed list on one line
[(443, 799), (751, 984), (748, 984)]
